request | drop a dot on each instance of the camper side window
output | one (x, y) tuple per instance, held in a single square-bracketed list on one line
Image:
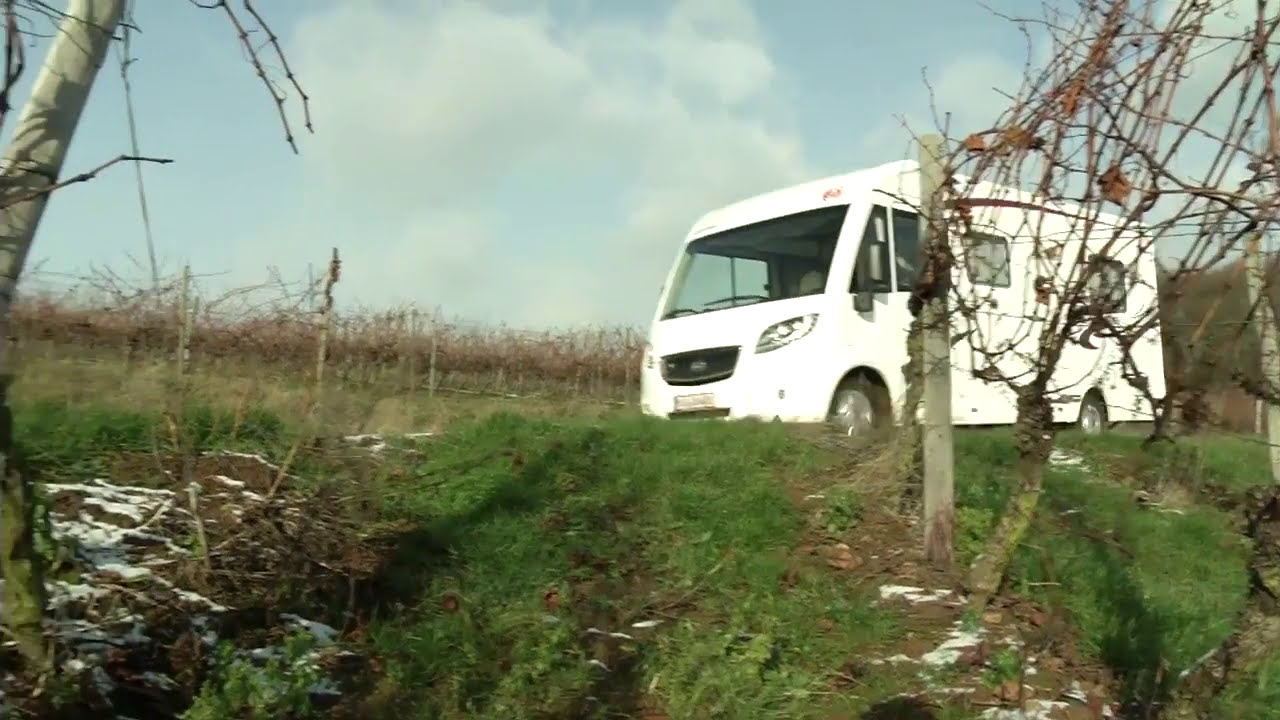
[(871, 271), (1107, 287), (987, 259)]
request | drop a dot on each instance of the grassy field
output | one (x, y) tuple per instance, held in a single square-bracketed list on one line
[(494, 557)]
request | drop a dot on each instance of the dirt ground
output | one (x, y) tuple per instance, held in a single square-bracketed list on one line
[(1016, 661)]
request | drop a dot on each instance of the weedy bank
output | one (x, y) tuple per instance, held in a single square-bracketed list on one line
[(608, 566)]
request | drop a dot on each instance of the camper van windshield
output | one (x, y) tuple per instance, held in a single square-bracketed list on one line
[(775, 259)]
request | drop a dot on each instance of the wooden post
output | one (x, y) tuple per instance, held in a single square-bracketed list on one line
[(431, 368), (413, 351), (1269, 354), (939, 483), (184, 321)]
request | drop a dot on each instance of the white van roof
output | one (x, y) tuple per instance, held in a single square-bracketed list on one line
[(899, 179)]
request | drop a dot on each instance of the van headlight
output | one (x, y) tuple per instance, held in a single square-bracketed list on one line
[(786, 332)]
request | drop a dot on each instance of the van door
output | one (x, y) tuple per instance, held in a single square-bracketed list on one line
[(908, 254), (866, 333)]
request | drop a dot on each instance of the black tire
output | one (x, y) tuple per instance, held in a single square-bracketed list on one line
[(859, 406), (1092, 419)]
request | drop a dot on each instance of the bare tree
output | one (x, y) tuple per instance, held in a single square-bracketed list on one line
[(31, 172), (1147, 126)]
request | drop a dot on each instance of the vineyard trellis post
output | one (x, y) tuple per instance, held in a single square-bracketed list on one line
[(1269, 354), (939, 481), (431, 367)]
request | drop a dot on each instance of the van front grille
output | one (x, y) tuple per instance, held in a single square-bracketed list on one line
[(699, 367)]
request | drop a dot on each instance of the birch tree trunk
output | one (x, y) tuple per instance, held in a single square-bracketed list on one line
[(31, 165)]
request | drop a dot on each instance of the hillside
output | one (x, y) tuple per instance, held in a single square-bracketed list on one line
[(509, 567)]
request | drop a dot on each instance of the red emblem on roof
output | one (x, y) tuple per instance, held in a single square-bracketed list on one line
[(832, 193)]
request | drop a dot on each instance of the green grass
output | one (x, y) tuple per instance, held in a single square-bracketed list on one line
[(626, 522), (72, 441), (1258, 698), (1229, 461), (524, 533), (1143, 587)]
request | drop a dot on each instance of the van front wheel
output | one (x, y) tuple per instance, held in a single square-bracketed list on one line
[(859, 406)]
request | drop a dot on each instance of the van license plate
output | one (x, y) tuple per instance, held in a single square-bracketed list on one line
[(689, 403)]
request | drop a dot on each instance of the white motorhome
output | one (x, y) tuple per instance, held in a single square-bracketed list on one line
[(792, 306)]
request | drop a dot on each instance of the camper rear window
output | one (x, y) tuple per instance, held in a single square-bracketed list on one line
[(1107, 284), (987, 259)]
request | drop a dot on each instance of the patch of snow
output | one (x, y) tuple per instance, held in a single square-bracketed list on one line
[(323, 634), (124, 571), (256, 457), (953, 647), (913, 594), (614, 635), (1033, 710), (377, 443), (109, 556), (1066, 458), (115, 508), (228, 482), (371, 442)]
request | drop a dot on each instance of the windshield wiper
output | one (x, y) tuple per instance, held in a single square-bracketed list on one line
[(735, 299), (680, 312)]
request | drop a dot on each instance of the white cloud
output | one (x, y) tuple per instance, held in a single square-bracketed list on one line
[(432, 120), (967, 93)]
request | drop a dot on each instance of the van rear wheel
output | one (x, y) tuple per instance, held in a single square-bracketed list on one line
[(1093, 414), (859, 406)]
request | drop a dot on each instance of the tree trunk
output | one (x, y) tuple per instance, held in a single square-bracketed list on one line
[(31, 166), (910, 457), (1255, 640), (1033, 436)]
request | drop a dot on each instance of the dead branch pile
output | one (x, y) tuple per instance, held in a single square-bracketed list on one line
[(155, 573)]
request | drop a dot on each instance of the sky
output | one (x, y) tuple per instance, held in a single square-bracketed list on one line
[(535, 163)]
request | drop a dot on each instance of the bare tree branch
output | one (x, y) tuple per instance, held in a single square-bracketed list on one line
[(81, 177)]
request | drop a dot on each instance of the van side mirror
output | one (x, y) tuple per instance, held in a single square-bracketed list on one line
[(863, 302), (876, 261)]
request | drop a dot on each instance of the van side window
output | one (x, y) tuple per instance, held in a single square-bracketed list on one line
[(906, 248), (1107, 286), (875, 234), (987, 258)]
